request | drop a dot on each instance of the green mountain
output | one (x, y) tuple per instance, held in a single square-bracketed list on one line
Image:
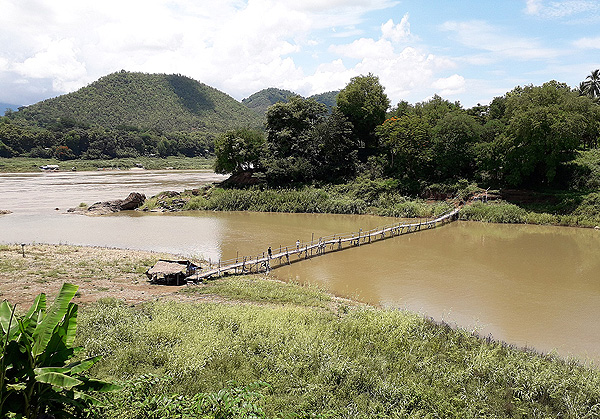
[(328, 98), (160, 101), (260, 101)]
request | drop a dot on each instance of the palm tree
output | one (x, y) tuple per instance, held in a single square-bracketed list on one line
[(592, 84), (582, 89)]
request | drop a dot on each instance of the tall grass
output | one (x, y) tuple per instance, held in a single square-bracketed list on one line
[(585, 214), (305, 200), (316, 361)]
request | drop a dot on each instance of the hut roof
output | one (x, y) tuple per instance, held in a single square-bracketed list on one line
[(168, 267)]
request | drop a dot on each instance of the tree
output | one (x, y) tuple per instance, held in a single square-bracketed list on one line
[(407, 143), (37, 373), (364, 102), (238, 150), (336, 148), (546, 124), (435, 109), (591, 85), (291, 147)]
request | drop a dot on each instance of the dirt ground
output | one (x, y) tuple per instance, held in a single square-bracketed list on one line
[(99, 272)]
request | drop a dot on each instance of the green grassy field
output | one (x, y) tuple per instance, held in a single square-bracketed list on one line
[(296, 352)]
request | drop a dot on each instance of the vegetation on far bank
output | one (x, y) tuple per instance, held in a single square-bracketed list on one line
[(31, 164), (380, 197)]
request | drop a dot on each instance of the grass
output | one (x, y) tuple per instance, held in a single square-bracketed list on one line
[(576, 210), (255, 290), (29, 164), (320, 361), (308, 199)]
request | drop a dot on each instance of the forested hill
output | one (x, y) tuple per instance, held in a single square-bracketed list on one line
[(159, 101), (260, 101)]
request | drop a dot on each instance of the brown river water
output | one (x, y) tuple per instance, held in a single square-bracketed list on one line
[(534, 286)]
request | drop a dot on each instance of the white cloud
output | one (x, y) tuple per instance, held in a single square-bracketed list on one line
[(57, 61), (587, 43), (483, 36), (450, 85), (533, 7), (559, 9), (396, 33)]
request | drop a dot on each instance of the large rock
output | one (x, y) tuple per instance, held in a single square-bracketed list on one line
[(134, 200)]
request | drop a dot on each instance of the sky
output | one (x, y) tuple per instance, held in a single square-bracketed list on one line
[(463, 50)]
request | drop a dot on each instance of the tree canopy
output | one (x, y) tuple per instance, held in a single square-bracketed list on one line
[(364, 102)]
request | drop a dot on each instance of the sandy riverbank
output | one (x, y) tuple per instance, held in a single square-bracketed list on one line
[(99, 272)]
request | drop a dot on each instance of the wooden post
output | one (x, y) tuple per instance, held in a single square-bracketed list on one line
[(359, 231)]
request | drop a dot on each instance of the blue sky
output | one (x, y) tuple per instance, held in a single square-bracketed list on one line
[(467, 51)]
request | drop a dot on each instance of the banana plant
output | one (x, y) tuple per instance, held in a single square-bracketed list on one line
[(37, 374)]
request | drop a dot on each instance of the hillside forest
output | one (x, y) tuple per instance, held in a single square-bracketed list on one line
[(532, 136)]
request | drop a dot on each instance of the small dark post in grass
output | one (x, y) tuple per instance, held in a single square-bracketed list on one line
[(23, 249)]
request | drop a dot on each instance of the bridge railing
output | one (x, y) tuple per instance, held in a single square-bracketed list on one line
[(320, 246)]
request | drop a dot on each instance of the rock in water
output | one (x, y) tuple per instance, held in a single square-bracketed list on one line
[(134, 200)]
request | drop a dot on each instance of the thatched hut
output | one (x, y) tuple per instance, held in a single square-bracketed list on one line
[(171, 272)]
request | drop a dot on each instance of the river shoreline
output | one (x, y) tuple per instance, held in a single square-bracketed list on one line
[(335, 201)]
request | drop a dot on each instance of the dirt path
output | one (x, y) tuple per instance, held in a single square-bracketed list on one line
[(99, 272)]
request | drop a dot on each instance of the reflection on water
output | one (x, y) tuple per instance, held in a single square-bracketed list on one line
[(529, 285)]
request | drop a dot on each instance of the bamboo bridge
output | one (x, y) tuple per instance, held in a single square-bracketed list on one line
[(269, 260)]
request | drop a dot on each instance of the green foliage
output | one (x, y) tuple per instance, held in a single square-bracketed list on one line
[(162, 102), (583, 172), (28, 164), (435, 109), (144, 397), (260, 101), (454, 138), (305, 144), (591, 85), (328, 99), (364, 102), (546, 125), (407, 142), (37, 375), (238, 150), (64, 139), (358, 363)]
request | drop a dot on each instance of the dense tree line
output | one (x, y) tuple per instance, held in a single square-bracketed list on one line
[(66, 139), (520, 139)]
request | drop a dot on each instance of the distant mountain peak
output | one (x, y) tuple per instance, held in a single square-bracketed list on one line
[(166, 102)]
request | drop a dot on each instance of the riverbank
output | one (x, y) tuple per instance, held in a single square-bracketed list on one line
[(290, 350), (30, 164), (558, 208)]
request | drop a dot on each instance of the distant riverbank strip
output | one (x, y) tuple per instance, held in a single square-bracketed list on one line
[(32, 164), (575, 209), (287, 350)]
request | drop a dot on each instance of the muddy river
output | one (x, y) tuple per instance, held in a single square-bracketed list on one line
[(534, 286)]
